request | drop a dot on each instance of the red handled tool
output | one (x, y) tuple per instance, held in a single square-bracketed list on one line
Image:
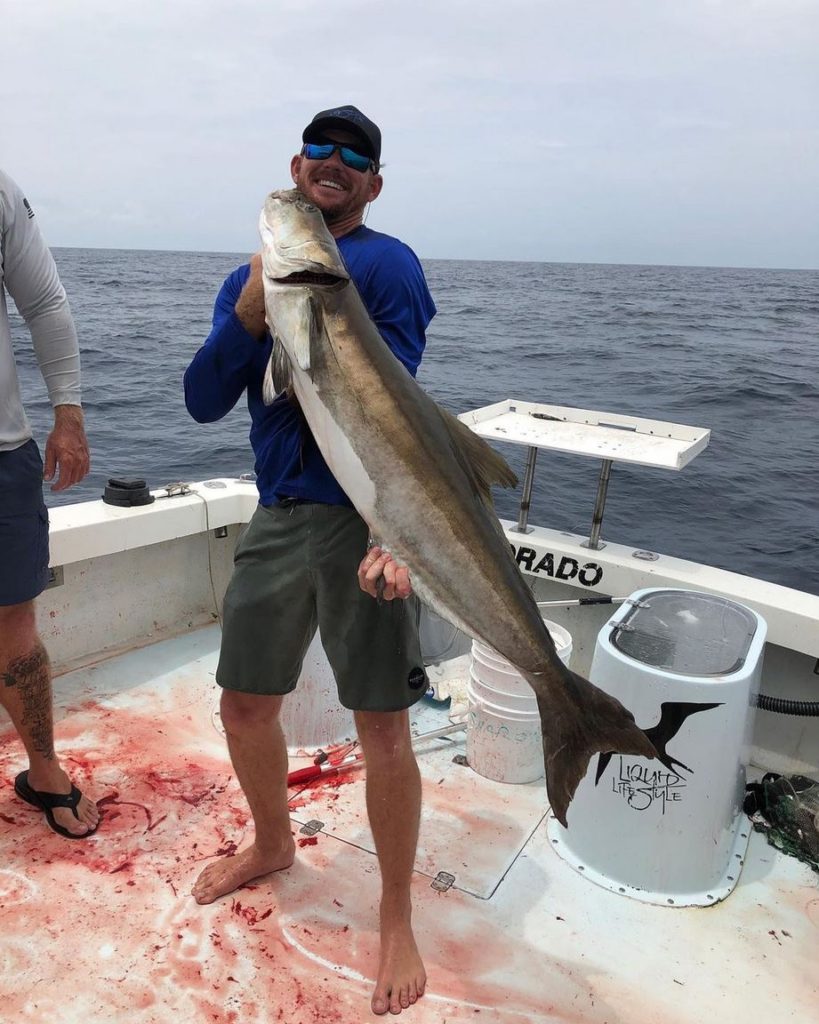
[(301, 776)]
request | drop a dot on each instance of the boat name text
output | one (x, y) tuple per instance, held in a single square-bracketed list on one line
[(566, 568)]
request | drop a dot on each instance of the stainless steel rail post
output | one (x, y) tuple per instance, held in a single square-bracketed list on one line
[(526, 498), (599, 506)]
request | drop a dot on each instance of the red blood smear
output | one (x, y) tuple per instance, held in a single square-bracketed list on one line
[(325, 783), (250, 914), (171, 804)]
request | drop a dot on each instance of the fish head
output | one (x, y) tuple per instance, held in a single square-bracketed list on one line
[(297, 246)]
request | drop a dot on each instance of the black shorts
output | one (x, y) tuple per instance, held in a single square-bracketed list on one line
[(295, 569), (23, 525)]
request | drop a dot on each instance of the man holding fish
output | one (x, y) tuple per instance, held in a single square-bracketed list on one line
[(298, 566)]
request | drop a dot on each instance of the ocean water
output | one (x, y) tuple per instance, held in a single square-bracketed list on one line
[(730, 349)]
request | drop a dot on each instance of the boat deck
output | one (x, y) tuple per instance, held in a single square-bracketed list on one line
[(104, 930)]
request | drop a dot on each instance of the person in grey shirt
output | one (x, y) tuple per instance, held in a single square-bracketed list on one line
[(28, 272)]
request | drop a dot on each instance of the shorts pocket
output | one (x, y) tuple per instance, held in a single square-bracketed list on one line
[(21, 480)]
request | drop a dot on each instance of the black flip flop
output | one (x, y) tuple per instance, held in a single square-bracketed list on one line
[(48, 801)]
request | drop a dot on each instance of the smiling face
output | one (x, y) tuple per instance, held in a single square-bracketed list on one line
[(340, 192)]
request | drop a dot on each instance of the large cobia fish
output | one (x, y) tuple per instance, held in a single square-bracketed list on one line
[(421, 480)]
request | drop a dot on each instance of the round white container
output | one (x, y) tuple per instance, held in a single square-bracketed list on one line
[(503, 736), (671, 830)]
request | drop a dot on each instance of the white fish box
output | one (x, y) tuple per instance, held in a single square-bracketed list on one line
[(672, 830), (601, 435)]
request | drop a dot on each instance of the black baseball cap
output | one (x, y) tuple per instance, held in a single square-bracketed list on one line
[(349, 119)]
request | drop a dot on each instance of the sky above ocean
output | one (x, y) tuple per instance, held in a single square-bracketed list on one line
[(640, 131)]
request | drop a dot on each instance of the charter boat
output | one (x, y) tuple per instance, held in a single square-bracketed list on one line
[(660, 902)]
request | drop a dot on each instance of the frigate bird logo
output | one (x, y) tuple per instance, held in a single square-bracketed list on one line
[(672, 716)]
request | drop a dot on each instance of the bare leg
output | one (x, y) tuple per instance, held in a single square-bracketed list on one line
[(25, 693), (394, 808), (259, 755)]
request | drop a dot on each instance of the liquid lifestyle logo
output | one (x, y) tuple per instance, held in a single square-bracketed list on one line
[(639, 783)]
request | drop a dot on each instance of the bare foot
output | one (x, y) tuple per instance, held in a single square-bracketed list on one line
[(56, 781), (227, 874), (401, 975)]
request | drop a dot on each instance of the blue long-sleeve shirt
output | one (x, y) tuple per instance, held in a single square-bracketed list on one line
[(392, 286)]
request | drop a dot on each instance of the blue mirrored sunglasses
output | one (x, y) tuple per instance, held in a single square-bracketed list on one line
[(349, 157)]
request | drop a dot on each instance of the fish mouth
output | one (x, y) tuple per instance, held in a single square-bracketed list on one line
[(312, 278)]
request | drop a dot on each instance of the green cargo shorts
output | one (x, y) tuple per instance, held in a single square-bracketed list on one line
[(295, 568)]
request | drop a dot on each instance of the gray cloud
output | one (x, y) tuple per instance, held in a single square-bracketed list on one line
[(638, 131)]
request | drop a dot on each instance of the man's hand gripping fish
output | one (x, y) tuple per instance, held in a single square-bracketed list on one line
[(421, 480)]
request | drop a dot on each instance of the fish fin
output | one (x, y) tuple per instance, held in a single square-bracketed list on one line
[(587, 722), (277, 376), (482, 463), (312, 322)]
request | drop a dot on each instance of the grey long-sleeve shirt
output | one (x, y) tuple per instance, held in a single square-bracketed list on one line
[(28, 272)]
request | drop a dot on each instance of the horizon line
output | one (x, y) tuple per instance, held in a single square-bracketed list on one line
[(459, 259)]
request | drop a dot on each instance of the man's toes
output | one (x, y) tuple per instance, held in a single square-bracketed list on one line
[(65, 819), (201, 893), (380, 1002), (204, 888), (200, 889), (88, 812)]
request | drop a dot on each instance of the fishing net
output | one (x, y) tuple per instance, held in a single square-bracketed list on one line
[(786, 809)]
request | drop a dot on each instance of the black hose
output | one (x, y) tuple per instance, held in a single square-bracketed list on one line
[(805, 708)]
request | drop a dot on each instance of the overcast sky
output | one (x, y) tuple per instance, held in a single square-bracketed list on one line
[(617, 131)]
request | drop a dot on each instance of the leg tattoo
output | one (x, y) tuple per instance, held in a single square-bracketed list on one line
[(31, 676)]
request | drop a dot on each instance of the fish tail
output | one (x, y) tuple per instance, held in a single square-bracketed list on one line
[(585, 722)]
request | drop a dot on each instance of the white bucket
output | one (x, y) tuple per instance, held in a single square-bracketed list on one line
[(560, 635), (497, 676), (503, 736)]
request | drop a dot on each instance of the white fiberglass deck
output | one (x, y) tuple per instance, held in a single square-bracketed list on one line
[(105, 930)]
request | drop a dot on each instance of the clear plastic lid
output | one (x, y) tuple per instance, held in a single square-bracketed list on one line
[(688, 633)]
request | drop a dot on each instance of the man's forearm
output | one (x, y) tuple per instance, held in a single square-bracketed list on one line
[(250, 304), (250, 312), (218, 373), (54, 339)]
